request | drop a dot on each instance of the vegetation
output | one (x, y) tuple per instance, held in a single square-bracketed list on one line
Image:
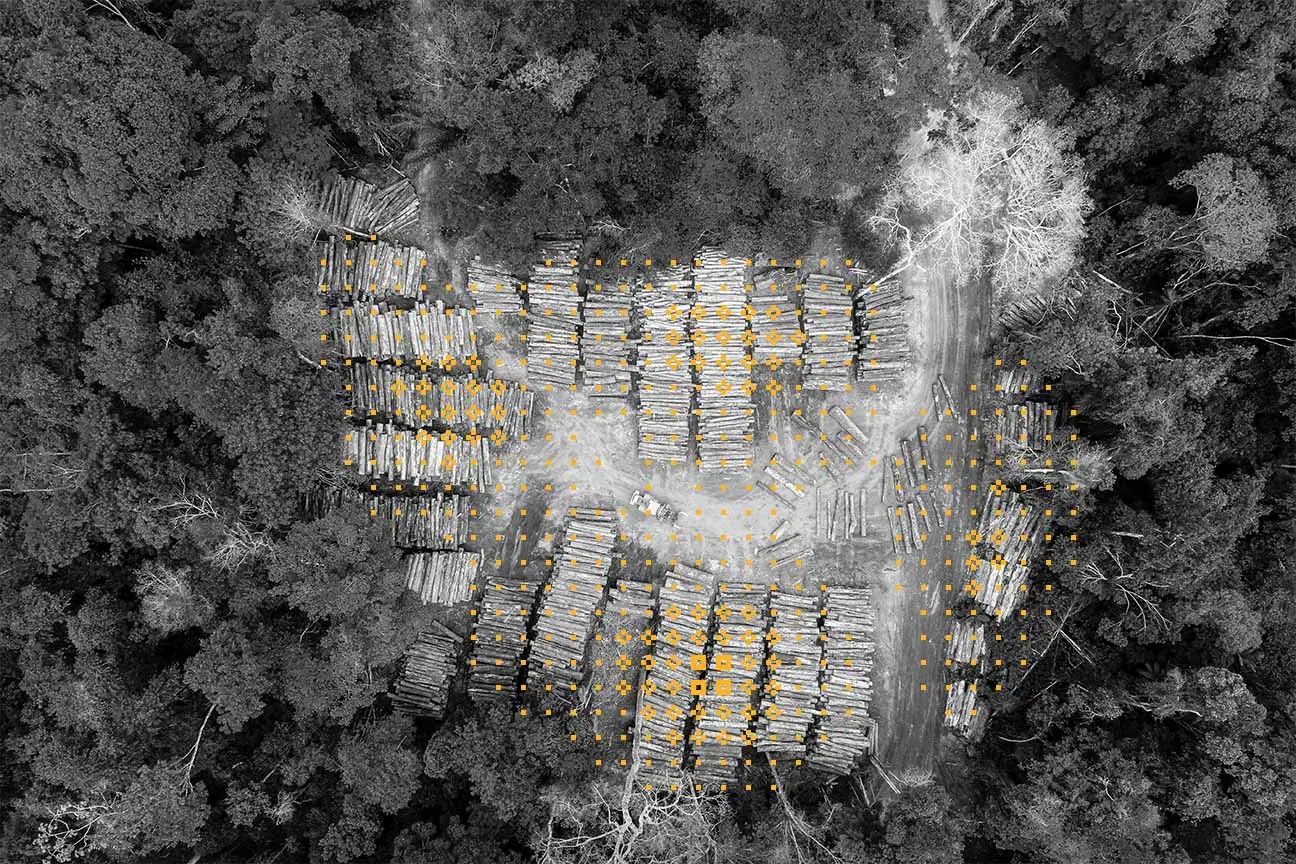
[(192, 670)]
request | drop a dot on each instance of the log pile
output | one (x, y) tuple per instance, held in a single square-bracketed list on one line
[(553, 314), (839, 514), (791, 692), (426, 672), (830, 333), (387, 452), (620, 643), (352, 206), (966, 642), (775, 320), (437, 521), (960, 705), (785, 546), (371, 271), (884, 351), (444, 578), (1014, 382), (571, 598), (494, 289), (842, 733), (422, 400), (1027, 425), (665, 366), (429, 333), (678, 660), (605, 340), (499, 639), (728, 708), (1009, 535), (726, 419), (787, 481), (913, 514)]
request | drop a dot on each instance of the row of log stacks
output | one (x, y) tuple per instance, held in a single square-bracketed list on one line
[(678, 660), (499, 639), (1009, 536), (427, 671), (966, 642), (462, 404), (352, 206), (790, 696), (884, 351), (606, 360), (775, 319), (571, 599), (839, 514), (553, 295), (620, 643), (830, 334), (726, 418), (1028, 425), (387, 452), (785, 546), (437, 521), (662, 305), (371, 271), (493, 288), (429, 333), (960, 705), (842, 734), (727, 709), (445, 577)]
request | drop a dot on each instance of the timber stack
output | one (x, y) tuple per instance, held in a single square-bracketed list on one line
[(909, 480), (884, 352), (791, 692), (1009, 535), (605, 340), (1014, 382), (431, 334), (966, 642), (620, 643), (571, 599), (426, 521), (371, 271), (726, 418), (728, 708), (830, 333), (665, 366), (443, 578), (678, 660), (960, 705), (553, 294), (415, 400), (499, 639), (1026, 426), (426, 672), (842, 734), (494, 289), (775, 320), (387, 452), (352, 206)]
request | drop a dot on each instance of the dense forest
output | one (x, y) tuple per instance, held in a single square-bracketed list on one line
[(194, 669)]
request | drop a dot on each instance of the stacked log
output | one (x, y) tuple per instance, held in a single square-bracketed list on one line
[(426, 672), (371, 271), (499, 639), (966, 642), (352, 206), (605, 340), (437, 521), (444, 578), (791, 692), (665, 366), (839, 514), (842, 733), (830, 333), (787, 478), (1009, 535), (422, 400), (387, 452), (960, 705), (1027, 425), (620, 642), (553, 314), (678, 661), (430, 334), (726, 419), (494, 289), (884, 351), (1015, 381), (571, 598), (727, 709), (775, 320), (785, 546)]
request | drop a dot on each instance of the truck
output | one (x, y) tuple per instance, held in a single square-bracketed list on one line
[(650, 506)]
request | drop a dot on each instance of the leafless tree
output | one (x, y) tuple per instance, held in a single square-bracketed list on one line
[(241, 545)]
